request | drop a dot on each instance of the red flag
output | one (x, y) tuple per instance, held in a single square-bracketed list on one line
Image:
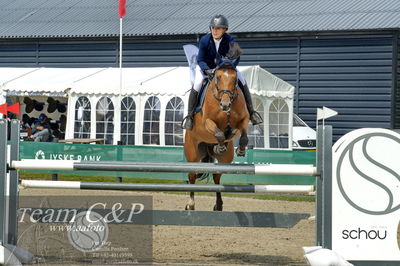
[(121, 8), (14, 108), (3, 109)]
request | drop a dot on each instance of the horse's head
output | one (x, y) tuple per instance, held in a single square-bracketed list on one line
[(225, 77), (225, 86)]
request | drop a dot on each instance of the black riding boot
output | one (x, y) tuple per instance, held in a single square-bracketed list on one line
[(254, 116), (187, 122)]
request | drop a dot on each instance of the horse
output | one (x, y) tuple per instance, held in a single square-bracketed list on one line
[(223, 118)]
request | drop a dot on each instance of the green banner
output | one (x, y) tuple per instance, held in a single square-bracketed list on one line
[(90, 152)]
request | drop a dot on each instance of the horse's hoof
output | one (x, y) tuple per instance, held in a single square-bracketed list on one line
[(219, 149), (240, 152), (217, 208), (189, 207)]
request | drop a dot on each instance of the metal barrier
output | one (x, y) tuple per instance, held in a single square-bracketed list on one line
[(11, 164)]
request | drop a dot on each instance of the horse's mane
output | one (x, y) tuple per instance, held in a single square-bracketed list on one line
[(234, 51)]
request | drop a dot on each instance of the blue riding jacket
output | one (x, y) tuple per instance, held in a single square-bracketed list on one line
[(207, 52)]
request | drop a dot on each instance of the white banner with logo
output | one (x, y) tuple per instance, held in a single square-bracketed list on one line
[(366, 195)]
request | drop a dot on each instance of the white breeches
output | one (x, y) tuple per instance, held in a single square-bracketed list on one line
[(200, 76)]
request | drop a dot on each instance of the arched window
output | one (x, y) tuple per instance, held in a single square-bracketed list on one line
[(105, 119), (82, 118), (279, 124), (173, 119), (256, 133), (128, 114), (151, 122)]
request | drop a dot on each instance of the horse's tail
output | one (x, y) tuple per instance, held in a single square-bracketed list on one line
[(207, 159)]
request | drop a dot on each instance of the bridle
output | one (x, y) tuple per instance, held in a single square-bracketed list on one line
[(219, 92)]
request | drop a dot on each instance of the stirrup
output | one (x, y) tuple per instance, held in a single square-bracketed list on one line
[(256, 118), (187, 122)]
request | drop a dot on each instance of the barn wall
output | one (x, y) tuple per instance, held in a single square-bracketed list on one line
[(396, 104), (352, 76), (349, 73)]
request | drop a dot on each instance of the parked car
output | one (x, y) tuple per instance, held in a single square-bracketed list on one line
[(304, 137)]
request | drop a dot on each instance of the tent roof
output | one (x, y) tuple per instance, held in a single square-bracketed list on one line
[(263, 83), (106, 81), (41, 81)]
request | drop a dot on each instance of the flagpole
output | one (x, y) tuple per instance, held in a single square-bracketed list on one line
[(120, 53), (121, 12), (120, 74)]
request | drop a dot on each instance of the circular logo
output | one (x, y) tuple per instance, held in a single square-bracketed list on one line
[(368, 173), (89, 231), (39, 155)]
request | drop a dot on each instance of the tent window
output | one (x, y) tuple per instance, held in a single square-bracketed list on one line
[(82, 118), (279, 124), (173, 119), (128, 112), (105, 119), (256, 133), (151, 122)]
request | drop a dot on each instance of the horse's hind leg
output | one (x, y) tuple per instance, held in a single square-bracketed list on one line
[(218, 201), (192, 155), (223, 158), (190, 204)]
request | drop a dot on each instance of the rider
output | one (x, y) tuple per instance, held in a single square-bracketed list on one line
[(211, 45)]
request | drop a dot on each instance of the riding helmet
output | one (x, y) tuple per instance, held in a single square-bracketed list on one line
[(219, 21)]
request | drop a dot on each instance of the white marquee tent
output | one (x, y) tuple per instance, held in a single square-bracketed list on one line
[(272, 96)]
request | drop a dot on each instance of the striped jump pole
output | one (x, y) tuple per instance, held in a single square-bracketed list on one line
[(166, 187), (183, 167)]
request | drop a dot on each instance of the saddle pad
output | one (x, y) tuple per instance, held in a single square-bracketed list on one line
[(201, 97)]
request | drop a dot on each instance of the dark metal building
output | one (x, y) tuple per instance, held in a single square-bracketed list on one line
[(341, 54)]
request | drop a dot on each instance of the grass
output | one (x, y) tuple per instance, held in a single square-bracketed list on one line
[(64, 177)]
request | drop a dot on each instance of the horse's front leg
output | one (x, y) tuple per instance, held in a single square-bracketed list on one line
[(243, 141), (218, 134)]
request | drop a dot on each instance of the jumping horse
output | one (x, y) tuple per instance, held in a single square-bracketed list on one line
[(223, 118)]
